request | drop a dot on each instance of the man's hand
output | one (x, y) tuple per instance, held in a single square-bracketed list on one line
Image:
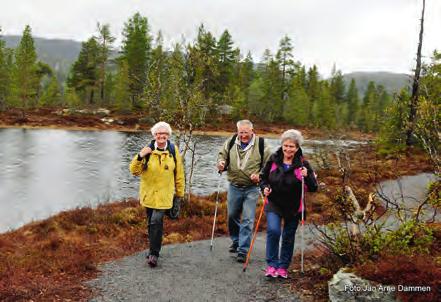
[(255, 178), (221, 165), (144, 151), (304, 172)]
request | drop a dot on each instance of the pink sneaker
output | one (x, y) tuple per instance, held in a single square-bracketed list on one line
[(271, 272), (282, 272)]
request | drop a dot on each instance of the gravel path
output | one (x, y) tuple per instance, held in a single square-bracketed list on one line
[(191, 272)]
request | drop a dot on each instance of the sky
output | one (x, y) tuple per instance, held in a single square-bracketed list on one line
[(355, 35)]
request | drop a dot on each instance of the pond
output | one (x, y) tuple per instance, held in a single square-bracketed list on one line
[(45, 171)]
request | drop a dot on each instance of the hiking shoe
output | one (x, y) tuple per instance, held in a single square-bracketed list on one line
[(241, 258), (282, 272), (152, 260), (271, 271), (233, 248)]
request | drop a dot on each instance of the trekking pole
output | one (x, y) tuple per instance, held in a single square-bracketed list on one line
[(215, 211), (255, 233), (303, 222)]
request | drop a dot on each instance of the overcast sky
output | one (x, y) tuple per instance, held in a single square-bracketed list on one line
[(356, 35)]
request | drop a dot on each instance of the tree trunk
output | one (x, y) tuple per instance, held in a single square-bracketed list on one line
[(416, 85)]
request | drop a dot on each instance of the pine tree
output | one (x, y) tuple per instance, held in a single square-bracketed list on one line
[(367, 111), (105, 40), (244, 79), (5, 74), (298, 103), (205, 61), (353, 104), (136, 50), (284, 58), (26, 79), (51, 95), (337, 91), (227, 59), (313, 90), (392, 136), (325, 110), (123, 102), (272, 88), (84, 75), (157, 79)]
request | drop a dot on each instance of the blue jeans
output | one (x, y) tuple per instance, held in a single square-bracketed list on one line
[(241, 201), (273, 232)]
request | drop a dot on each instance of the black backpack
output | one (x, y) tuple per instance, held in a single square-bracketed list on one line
[(173, 212), (231, 144)]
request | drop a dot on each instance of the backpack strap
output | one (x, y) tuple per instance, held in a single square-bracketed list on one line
[(230, 145), (261, 150), (171, 149)]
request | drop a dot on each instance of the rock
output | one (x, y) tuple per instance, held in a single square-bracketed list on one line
[(102, 111), (107, 120), (345, 287)]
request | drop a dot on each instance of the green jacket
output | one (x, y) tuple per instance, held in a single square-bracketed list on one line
[(158, 183), (250, 163)]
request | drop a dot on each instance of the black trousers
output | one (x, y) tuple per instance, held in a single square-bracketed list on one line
[(155, 226)]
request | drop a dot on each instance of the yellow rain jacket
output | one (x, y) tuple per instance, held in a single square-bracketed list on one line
[(158, 183)]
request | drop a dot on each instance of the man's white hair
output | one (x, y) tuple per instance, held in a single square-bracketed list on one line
[(294, 135), (161, 125), (244, 123)]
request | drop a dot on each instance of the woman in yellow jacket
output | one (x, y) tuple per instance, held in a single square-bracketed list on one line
[(162, 177)]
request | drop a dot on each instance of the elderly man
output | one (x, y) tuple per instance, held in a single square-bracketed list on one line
[(242, 156)]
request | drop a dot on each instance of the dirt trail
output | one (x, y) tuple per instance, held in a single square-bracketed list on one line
[(191, 272)]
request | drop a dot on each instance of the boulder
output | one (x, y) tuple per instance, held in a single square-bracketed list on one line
[(345, 286)]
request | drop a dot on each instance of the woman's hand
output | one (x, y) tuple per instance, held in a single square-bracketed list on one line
[(267, 191), (304, 172), (144, 151)]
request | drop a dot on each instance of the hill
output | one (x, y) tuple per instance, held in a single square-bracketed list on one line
[(393, 82), (61, 53), (58, 53)]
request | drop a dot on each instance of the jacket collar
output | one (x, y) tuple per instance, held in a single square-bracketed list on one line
[(277, 157)]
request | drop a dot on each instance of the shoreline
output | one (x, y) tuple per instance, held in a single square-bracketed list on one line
[(50, 119)]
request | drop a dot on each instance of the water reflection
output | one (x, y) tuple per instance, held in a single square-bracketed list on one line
[(46, 171)]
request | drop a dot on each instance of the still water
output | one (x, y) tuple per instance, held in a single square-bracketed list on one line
[(43, 172)]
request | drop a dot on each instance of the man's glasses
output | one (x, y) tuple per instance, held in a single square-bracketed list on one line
[(161, 133)]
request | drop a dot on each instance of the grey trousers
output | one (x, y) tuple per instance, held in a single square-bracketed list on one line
[(155, 226)]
